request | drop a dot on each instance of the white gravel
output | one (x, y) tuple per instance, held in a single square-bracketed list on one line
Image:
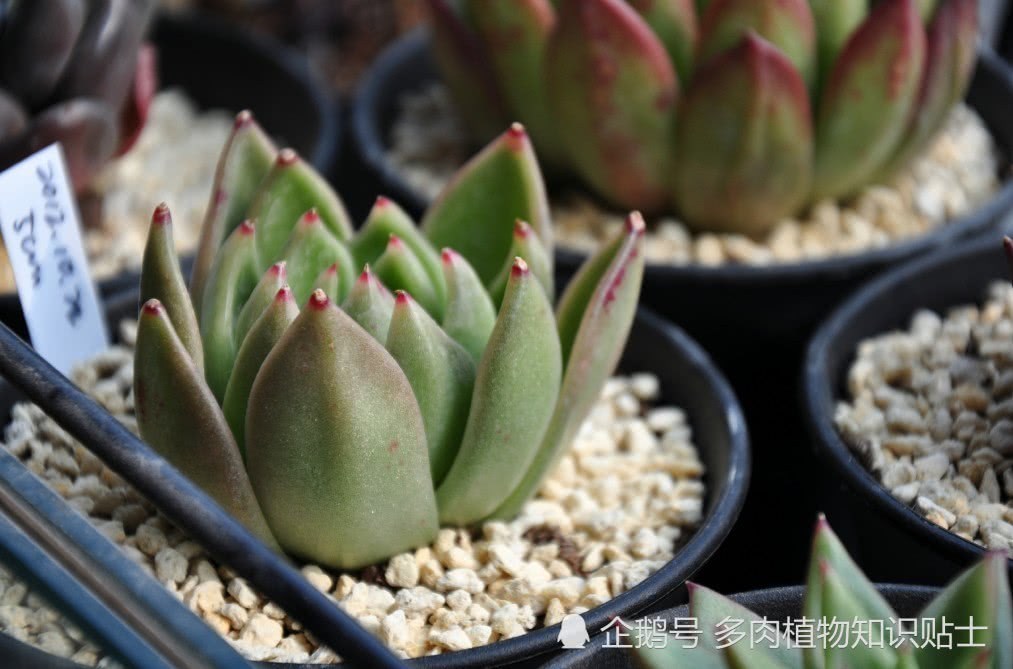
[(930, 413), (616, 509), (955, 175)]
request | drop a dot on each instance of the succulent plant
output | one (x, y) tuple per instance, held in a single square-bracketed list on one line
[(441, 391), (736, 113), (838, 593), (74, 71)]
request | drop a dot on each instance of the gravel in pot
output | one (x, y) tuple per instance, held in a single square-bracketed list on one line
[(906, 394), (209, 71), (685, 468)]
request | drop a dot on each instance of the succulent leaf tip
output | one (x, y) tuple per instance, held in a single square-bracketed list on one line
[(319, 300), (402, 298), (284, 294), (247, 227), (635, 223), (279, 269), (287, 157), (161, 215), (152, 307), (243, 119), (520, 268)]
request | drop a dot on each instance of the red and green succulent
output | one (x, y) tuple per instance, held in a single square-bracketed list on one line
[(839, 598), (441, 390), (736, 113)]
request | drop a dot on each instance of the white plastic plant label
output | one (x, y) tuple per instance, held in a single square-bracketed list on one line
[(42, 232)]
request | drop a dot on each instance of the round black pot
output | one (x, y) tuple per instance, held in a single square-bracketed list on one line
[(876, 526), (774, 603), (688, 379), (220, 67), (754, 321)]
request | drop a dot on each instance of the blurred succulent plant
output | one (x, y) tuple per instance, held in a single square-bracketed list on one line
[(837, 592), (736, 112), (74, 71), (349, 434)]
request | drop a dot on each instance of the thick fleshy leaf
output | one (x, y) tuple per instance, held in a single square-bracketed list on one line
[(868, 98), (386, 218), (262, 337), (312, 248), (470, 315), (370, 305), (330, 281), (400, 269), (787, 24), (839, 602), (260, 299), (475, 213), (835, 21), (675, 23), (442, 375), (180, 418), (515, 390), (827, 549), (745, 141), (527, 246), (466, 70), (37, 44), (594, 318), (941, 85), (714, 611), (233, 277), (244, 163), (981, 593), (514, 35), (291, 189), (613, 91), (337, 452), (162, 280)]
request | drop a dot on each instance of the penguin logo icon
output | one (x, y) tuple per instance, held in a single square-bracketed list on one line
[(573, 632)]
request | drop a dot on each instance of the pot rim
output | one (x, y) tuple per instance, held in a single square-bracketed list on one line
[(820, 396), (368, 137)]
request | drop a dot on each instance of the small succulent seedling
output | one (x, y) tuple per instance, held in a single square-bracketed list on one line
[(74, 71), (736, 112), (414, 387), (838, 594)]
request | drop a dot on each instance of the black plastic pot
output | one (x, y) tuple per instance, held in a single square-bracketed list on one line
[(775, 603), (221, 67), (876, 526), (754, 321), (689, 380)]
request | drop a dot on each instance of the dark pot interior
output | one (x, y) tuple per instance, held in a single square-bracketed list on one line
[(688, 379), (775, 603), (753, 321), (876, 526), (220, 67)]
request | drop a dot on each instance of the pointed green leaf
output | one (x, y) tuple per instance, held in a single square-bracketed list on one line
[(527, 246), (386, 219), (263, 335), (787, 24), (179, 417), (835, 21), (370, 305), (465, 68), (745, 141), (827, 549), (161, 279), (291, 189), (595, 316), (233, 277), (675, 24), (338, 451), (515, 389), (442, 375), (868, 98), (475, 213), (514, 34), (940, 86), (310, 250), (262, 296), (613, 91), (982, 593), (400, 269), (244, 163), (470, 315), (329, 281), (839, 602)]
